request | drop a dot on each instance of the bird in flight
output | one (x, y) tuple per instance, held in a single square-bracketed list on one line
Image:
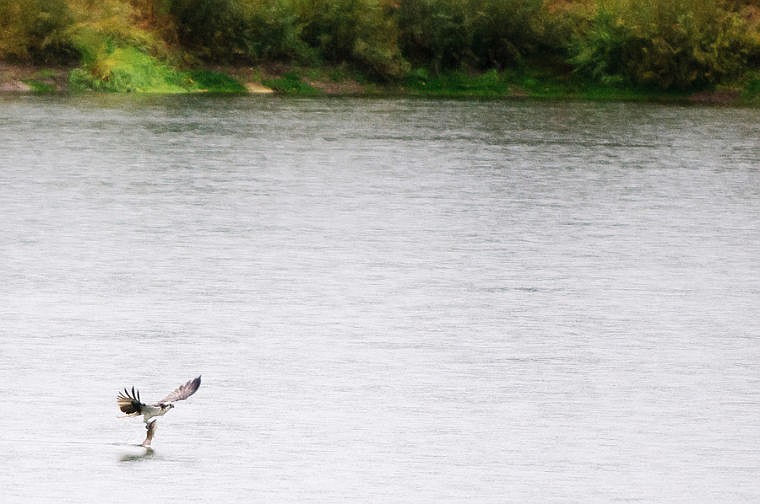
[(132, 405)]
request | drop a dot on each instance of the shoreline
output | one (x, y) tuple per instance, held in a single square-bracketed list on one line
[(285, 80)]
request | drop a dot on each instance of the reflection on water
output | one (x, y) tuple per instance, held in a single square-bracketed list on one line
[(135, 453), (389, 300)]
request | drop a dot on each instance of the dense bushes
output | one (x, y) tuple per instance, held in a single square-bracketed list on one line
[(674, 44), (668, 44), (362, 32), (127, 69), (448, 34), (504, 31), (212, 29), (35, 30), (664, 44)]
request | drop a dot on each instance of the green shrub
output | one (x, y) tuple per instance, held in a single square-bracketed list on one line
[(215, 82), (35, 31), (290, 83), (751, 87), (458, 83), (273, 32), (128, 69), (434, 33), (239, 30), (363, 32), (213, 29), (118, 53), (113, 23), (667, 44), (558, 22), (481, 34), (504, 31)]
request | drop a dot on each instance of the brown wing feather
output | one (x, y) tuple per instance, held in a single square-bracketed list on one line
[(183, 391), (130, 403)]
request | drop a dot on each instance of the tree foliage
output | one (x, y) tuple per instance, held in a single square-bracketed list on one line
[(35, 30), (364, 32), (678, 44), (665, 44)]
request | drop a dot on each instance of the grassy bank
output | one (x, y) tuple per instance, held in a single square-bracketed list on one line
[(133, 72)]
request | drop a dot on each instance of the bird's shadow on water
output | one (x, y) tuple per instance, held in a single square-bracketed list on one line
[(136, 453)]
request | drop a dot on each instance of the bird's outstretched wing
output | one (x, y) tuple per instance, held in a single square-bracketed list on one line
[(130, 403), (183, 391)]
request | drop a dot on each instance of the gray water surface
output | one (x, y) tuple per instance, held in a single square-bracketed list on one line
[(389, 300)]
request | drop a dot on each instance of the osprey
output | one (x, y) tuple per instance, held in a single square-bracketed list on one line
[(132, 405)]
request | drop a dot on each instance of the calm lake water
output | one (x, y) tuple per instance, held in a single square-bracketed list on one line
[(399, 301)]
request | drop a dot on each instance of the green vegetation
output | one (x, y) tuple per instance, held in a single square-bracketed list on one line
[(678, 44), (128, 69), (35, 30), (546, 48), (453, 84), (215, 82), (290, 83)]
